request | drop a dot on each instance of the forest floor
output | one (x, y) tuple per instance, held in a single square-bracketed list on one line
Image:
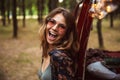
[(20, 58)]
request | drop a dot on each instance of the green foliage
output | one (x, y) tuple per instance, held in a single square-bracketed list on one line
[(45, 8), (30, 3), (65, 4)]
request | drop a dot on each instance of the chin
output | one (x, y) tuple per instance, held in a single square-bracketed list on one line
[(50, 42)]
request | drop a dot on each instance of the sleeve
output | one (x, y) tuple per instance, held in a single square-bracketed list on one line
[(101, 71), (62, 67)]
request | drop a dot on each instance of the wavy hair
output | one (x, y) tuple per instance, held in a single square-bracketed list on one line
[(69, 41)]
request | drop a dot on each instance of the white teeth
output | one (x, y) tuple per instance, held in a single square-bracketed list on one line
[(52, 34)]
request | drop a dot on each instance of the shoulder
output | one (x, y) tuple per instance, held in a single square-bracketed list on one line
[(59, 55), (62, 65)]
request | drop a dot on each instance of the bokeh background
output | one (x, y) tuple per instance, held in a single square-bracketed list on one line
[(20, 21)]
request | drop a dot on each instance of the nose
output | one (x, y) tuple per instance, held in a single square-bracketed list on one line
[(55, 27)]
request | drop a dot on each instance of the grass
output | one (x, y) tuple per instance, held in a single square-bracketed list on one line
[(20, 58)]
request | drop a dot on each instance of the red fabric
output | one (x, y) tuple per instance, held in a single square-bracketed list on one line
[(115, 54), (84, 27)]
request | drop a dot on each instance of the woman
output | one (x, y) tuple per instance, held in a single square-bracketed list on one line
[(59, 43)]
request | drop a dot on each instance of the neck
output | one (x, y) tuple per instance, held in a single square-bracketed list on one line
[(50, 47)]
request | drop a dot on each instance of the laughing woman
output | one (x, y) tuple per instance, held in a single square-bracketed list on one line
[(59, 44)]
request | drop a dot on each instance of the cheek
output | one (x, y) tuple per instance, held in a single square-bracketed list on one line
[(62, 33), (48, 27)]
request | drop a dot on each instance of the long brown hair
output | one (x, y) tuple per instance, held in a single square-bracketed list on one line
[(69, 41)]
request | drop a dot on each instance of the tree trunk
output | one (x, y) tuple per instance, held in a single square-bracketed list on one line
[(15, 27), (23, 11), (100, 38), (8, 11), (40, 5), (3, 12), (52, 4), (111, 20)]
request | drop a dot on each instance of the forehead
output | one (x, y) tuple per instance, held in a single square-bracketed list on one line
[(59, 18)]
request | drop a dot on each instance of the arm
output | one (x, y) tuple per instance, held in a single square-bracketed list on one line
[(99, 70)]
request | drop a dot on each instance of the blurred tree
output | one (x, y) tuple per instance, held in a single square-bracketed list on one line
[(111, 19), (52, 4), (8, 10), (117, 12), (114, 13), (99, 31), (73, 4), (23, 12), (14, 17), (40, 5), (29, 4), (3, 12)]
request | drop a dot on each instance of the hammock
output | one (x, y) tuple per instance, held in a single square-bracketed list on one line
[(84, 26)]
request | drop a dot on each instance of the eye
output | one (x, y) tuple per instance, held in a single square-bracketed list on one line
[(62, 26), (51, 22)]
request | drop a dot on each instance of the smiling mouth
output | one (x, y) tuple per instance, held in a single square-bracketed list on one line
[(52, 35)]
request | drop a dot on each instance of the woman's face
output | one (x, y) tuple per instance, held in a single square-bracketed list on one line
[(56, 29)]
